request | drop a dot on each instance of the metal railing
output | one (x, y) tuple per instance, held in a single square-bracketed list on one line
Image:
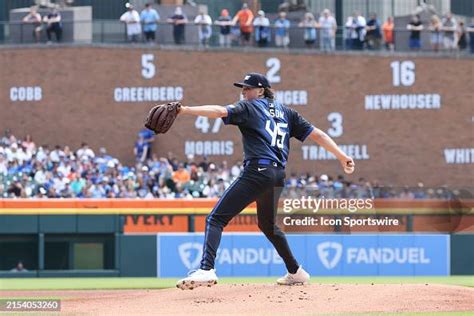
[(115, 32)]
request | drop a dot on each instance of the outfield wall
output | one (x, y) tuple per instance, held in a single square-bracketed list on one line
[(248, 254), (404, 119), (119, 238)]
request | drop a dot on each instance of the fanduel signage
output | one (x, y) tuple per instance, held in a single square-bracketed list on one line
[(250, 254)]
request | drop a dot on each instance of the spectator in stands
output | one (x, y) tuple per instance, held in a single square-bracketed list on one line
[(449, 28), (262, 29), (359, 27), (349, 33), (16, 189), (415, 27), (470, 31), (235, 36), (3, 164), (388, 36), (132, 20), (34, 18), (224, 21), (181, 176), (204, 23), (355, 31), (61, 173), (406, 194), (28, 144), (19, 268), (236, 169), (141, 149), (15, 153), (328, 28), (282, 28), (85, 153), (150, 18), (435, 29), (419, 191), (53, 25), (149, 138), (8, 138), (374, 35), (462, 37), (245, 18), (309, 25), (204, 164), (179, 21), (55, 154)]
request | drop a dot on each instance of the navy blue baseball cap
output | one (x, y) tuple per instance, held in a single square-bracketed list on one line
[(254, 80)]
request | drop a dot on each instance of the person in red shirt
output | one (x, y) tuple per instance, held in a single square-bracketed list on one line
[(245, 18)]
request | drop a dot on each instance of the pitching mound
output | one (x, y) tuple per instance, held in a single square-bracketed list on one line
[(265, 299)]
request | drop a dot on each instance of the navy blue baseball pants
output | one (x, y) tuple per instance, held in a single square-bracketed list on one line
[(258, 182)]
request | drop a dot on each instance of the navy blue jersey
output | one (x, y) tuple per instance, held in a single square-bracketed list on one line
[(267, 127)]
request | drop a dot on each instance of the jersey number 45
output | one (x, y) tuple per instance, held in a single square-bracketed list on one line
[(277, 133)]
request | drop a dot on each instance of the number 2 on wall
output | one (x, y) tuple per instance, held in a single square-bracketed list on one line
[(274, 67)]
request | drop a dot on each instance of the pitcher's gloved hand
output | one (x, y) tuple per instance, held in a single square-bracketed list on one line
[(162, 116)]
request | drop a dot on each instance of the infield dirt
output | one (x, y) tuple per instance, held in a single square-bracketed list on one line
[(264, 299)]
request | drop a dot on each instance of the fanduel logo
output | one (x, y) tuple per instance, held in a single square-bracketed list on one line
[(188, 250), (186, 253), (323, 253), (382, 255)]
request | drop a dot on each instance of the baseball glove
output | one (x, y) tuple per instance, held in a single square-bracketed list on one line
[(161, 117)]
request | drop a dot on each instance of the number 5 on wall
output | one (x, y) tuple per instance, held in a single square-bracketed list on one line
[(148, 67)]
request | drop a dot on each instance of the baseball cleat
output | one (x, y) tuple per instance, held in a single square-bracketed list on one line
[(301, 277), (198, 278)]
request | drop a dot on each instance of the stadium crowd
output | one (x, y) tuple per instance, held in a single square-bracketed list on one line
[(244, 29), (31, 171), (359, 32)]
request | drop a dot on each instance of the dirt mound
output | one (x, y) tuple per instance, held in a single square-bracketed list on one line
[(265, 299)]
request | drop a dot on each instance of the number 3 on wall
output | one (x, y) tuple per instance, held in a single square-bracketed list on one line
[(148, 67), (336, 129), (274, 67)]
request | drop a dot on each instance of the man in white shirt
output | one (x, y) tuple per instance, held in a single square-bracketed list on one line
[(132, 19), (85, 153), (361, 23), (34, 18), (262, 29), (328, 27), (15, 153), (449, 27), (204, 23)]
